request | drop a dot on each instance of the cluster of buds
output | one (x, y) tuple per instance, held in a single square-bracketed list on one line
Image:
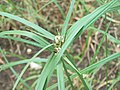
[(58, 42)]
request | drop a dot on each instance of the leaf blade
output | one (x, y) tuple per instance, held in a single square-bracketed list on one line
[(30, 24)]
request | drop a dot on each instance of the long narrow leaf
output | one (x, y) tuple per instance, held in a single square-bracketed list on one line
[(96, 65), (100, 63), (17, 81), (59, 7), (23, 40), (45, 73), (88, 87), (60, 76), (68, 76), (27, 34), (36, 60), (75, 29), (30, 24), (14, 72), (111, 38), (89, 19), (67, 18)]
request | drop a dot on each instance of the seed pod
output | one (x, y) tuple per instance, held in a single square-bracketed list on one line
[(57, 39), (62, 39), (56, 50)]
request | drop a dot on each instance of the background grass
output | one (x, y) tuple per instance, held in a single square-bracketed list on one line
[(88, 58)]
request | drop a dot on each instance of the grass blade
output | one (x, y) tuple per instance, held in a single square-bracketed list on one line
[(60, 76), (17, 81), (86, 85), (111, 38), (27, 34), (67, 18), (89, 19), (14, 72), (94, 66), (100, 63), (22, 40), (30, 24), (68, 76), (45, 72), (59, 7), (8, 65), (80, 25)]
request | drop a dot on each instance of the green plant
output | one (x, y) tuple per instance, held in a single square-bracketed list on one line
[(59, 60)]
